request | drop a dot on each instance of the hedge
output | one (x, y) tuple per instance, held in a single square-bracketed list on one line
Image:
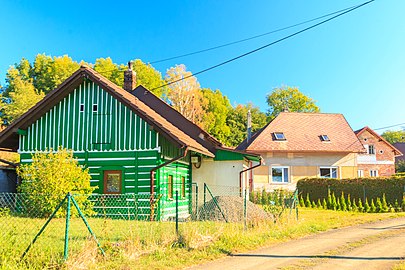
[(358, 188)]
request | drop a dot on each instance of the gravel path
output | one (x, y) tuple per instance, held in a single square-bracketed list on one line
[(378, 245)]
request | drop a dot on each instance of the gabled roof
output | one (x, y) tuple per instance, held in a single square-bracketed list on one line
[(9, 137), (401, 147), (375, 134), (303, 132)]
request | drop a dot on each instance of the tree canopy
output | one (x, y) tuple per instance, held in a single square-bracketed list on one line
[(394, 136), (291, 99)]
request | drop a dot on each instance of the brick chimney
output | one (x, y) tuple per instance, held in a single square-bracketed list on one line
[(129, 78)]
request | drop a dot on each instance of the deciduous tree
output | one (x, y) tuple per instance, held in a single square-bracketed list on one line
[(394, 136), (289, 98)]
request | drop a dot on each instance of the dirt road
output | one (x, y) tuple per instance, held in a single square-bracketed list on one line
[(378, 245)]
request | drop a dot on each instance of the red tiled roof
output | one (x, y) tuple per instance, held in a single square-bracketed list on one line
[(302, 132), (397, 152)]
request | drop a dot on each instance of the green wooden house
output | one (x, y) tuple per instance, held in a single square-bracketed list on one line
[(131, 145)]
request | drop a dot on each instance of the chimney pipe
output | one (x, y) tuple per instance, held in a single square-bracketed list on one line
[(129, 78), (249, 126)]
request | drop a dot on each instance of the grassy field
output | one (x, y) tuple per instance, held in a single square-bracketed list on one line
[(155, 245)]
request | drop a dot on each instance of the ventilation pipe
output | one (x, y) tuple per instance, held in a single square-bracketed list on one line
[(249, 126)]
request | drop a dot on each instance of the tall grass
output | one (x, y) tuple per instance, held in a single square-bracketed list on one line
[(155, 245)]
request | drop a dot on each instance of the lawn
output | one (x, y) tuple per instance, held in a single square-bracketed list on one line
[(155, 245)]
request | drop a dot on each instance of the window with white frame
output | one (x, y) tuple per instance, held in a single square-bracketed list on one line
[(328, 172), (373, 173), (279, 174), (360, 173)]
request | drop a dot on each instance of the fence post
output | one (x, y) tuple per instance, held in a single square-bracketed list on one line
[(66, 248), (177, 212), (245, 211), (196, 201)]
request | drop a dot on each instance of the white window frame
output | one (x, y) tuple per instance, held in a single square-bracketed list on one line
[(368, 149), (373, 173), (360, 173), (282, 174), (330, 171)]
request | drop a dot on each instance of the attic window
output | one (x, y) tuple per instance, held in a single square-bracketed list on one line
[(279, 136), (325, 138)]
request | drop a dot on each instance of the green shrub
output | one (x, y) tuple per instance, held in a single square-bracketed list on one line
[(354, 207), (319, 204), (308, 201), (324, 204), (384, 206), (360, 206), (334, 203), (378, 205), (48, 179), (320, 188), (349, 203), (302, 203), (343, 205), (373, 208), (367, 207)]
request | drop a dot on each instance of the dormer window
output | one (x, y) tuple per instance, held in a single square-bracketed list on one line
[(325, 138), (279, 136)]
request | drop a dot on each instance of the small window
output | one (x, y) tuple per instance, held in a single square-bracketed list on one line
[(365, 139), (279, 174), (328, 172), (170, 186), (325, 138), (373, 173), (95, 107), (81, 107), (360, 173), (371, 150), (381, 151), (183, 186), (112, 182), (279, 136)]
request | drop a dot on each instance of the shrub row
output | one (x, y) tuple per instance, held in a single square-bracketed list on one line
[(346, 203), (359, 188)]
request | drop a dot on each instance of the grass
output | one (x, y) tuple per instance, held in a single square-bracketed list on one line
[(155, 245)]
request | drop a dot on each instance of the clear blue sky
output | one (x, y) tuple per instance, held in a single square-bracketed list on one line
[(354, 65)]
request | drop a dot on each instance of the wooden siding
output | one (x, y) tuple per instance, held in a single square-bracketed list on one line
[(112, 127)]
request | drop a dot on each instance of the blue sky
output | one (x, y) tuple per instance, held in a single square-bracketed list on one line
[(354, 65)]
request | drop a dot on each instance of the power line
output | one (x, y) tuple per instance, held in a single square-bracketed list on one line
[(249, 38), (267, 45), (390, 126)]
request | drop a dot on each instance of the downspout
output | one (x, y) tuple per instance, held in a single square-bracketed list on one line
[(152, 179), (248, 169)]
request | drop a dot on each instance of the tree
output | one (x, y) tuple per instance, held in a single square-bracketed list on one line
[(149, 77), (19, 97), (110, 70), (400, 166), (216, 107), (289, 98), (394, 136), (48, 72), (48, 179), (237, 122), (185, 95)]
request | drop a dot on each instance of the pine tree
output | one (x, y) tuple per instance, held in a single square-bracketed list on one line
[(343, 205), (354, 206), (302, 204), (373, 208), (349, 203), (313, 204), (329, 203), (385, 207), (360, 206), (378, 205), (367, 207), (319, 204), (334, 203), (308, 201), (324, 204)]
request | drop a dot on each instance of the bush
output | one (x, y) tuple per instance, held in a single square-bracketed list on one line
[(48, 179), (371, 188)]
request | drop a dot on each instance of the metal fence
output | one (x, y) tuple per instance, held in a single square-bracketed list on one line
[(46, 229)]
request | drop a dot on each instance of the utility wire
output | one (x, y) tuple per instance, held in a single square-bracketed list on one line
[(243, 40), (390, 126), (267, 45), (250, 38)]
